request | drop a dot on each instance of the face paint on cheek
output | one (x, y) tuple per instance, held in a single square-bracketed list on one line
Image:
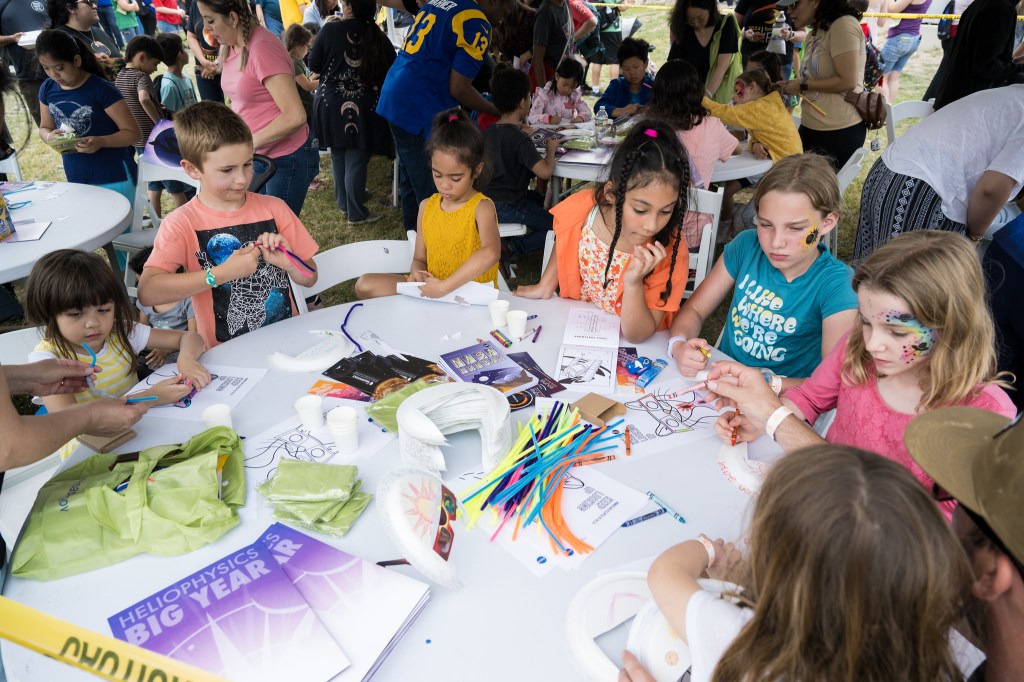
[(920, 339), (812, 237), (739, 89)]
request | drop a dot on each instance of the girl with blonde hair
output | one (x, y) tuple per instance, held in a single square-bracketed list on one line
[(924, 340), (851, 574)]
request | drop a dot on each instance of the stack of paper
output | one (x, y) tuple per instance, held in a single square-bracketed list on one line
[(589, 350)]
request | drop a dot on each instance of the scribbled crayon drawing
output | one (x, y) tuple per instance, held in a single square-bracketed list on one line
[(296, 443), (674, 412)]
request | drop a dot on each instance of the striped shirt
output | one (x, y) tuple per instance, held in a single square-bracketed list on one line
[(130, 82)]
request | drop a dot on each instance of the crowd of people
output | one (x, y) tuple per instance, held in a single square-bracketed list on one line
[(893, 386)]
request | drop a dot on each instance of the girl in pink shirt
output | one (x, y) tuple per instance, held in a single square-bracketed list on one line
[(561, 100), (924, 340)]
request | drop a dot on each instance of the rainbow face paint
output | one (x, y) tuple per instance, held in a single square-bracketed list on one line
[(739, 89), (920, 339)]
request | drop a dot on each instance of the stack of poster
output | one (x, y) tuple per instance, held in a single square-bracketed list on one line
[(287, 607)]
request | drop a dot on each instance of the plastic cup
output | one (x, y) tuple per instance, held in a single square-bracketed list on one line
[(517, 324), (310, 409), (217, 415), (498, 309), (343, 424)]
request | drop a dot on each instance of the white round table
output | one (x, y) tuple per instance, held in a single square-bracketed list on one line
[(80, 216), (506, 623)]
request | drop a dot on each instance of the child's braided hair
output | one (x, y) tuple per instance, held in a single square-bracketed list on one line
[(650, 153)]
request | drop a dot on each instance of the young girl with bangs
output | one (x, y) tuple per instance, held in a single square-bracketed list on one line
[(924, 340), (457, 229), (851, 574), (85, 314), (620, 246)]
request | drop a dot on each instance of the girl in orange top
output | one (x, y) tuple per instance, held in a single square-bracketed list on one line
[(619, 246)]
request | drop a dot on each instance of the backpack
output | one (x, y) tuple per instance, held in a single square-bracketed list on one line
[(945, 25), (607, 16), (872, 65)]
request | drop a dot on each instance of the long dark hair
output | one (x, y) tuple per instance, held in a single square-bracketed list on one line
[(374, 46), (830, 10), (59, 12), (64, 47), (323, 8), (677, 20), (456, 134), (650, 153), (69, 279), (677, 95)]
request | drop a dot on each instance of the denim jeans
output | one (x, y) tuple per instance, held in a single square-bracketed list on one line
[(530, 212), (128, 33), (209, 88), (415, 181), (164, 27), (897, 51), (294, 173), (349, 169), (108, 20)]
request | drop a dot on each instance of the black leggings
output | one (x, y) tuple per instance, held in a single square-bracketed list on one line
[(835, 145)]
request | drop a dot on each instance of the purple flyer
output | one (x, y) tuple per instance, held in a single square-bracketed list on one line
[(240, 618)]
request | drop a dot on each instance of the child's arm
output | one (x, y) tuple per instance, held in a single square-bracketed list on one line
[(158, 286), (545, 168), (479, 262), (190, 346), (547, 285), (834, 327), (306, 83), (148, 105), (418, 268), (691, 317), (46, 125), (127, 130), (128, 5), (272, 246), (638, 321), (540, 102), (583, 112)]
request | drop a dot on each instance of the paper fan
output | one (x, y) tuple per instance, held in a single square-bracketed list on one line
[(426, 416), (417, 511), (602, 605)]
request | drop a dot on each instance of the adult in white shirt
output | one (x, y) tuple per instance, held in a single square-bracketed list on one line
[(853, 574), (954, 171)]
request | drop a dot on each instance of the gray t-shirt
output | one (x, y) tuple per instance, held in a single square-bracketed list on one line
[(552, 29), (175, 318)]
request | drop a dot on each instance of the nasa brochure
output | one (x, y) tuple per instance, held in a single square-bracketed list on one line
[(366, 608), (240, 618), (483, 363)]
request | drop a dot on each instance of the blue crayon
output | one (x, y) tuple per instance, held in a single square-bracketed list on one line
[(645, 517)]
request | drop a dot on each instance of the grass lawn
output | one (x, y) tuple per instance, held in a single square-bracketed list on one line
[(325, 222)]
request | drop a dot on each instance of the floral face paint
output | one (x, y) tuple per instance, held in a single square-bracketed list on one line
[(919, 339)]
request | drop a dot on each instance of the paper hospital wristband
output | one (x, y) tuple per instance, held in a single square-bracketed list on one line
[(776, 418), (672, 343), (709, 547)]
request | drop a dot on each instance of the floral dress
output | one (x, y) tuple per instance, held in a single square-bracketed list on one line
[(593, 259)]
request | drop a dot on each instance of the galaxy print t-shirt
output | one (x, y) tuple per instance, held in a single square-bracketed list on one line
[(196, 237)]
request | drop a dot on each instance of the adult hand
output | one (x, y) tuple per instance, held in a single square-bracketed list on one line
[(644, 259), (748, 389), (753, 36), (209, 68), (56, 376), (632, 671), (109, 417), (688, 357)]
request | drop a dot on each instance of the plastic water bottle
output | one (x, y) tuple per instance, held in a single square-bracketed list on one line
[(601, 123), (776, 44)]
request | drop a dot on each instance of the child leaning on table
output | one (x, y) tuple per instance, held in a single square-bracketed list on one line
[(791, 298), (226, 234), (626, 94), (79, 303), (457, 230), (619, 246), (561, 100)]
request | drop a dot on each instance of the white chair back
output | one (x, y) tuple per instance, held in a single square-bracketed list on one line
[(549, 250), (11, 166), (150, 172), (846, 175), (349, 261), (16, 345), (703, 201), (898, 112)]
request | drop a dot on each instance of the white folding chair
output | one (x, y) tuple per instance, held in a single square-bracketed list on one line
[(16, 345), (703, 201), (846, 175), (411, 235), (549, 250), (894, 113), (11, 166), (349, 261)]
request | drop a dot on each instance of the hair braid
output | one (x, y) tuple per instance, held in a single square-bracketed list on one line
[(620, 199), (676, 234)]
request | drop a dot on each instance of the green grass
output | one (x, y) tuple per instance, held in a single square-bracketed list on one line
[(330, 229)]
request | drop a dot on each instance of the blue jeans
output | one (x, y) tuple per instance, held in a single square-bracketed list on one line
[(294, 173), (108, 20), (530, 212), (897, 51), (349, 169), (128, 33), (164, 27), (209, 88), (415, 181)]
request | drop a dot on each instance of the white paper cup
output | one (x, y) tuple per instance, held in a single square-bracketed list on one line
[(347, 441), (516, 324), (217, 415), (310, 409), (342, 418), (498, 309)]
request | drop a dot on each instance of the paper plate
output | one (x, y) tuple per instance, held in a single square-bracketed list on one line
[(746, 474), (657, 645), (602, 605), (408, 505), (316, 359)]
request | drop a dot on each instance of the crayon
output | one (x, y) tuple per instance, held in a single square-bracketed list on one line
[(735, 430), (705, 352), (500, 340), (536, 334), (658, 501), (629, 443), (646, 517), (596, 460)]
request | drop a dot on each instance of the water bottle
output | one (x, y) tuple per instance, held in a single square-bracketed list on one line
[(601, 123), (776, 44)]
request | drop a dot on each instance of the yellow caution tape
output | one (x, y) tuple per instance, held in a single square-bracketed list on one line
[(100, 655)]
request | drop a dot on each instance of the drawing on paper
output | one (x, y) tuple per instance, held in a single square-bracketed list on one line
[(579, 365), (674, 412), (162, 373), (297, 443)]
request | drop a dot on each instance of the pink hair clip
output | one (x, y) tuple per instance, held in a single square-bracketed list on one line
[(453, 117), (651, 132)]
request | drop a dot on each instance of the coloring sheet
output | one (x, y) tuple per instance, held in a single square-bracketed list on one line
[(470, 293), (289, 438), (671, 415), (594, 506), (590, 346), (229, 386)]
